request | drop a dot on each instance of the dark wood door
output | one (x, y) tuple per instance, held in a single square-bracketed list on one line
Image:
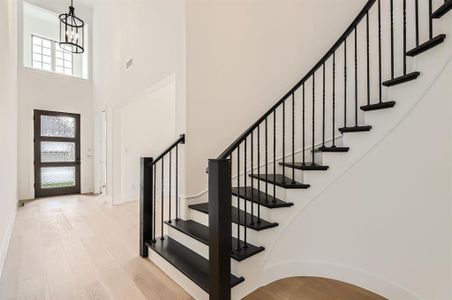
[(56, 153)]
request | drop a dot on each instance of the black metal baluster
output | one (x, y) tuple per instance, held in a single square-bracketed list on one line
[(430, 18), (259, 174), (252, 180), (368, 57), (323, 108), (169, 190), (245, 245), (334, 99), (293, 137), (304, 128), (266, 160), (238, 248), (177, 183), (283, 140), (163, 195), (345, 83), (404, 37), (154, 199), (379, 53), (356, 77), (417, 22), (232, 207), (274, 154), (313, 118), (392, 39)]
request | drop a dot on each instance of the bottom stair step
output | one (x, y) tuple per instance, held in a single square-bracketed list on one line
[(201, 233), (204, 208), (190, 263)]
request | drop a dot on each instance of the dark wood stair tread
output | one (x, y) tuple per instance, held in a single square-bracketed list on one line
[(190, 263), (427, 45), (266, 200), (204, 208), (359, 128), (377, 106), (332, 149), (442, 10), (305, 166), (401, 79), (200, 232), (280, 180)]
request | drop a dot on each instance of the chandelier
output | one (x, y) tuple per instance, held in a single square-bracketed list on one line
[(72, 32)]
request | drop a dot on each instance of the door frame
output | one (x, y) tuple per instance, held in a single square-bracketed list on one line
[(39, 192)]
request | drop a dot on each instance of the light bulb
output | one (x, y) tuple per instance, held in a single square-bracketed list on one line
[(72, 36)]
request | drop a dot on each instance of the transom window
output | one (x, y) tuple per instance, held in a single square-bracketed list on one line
[(48, 55)]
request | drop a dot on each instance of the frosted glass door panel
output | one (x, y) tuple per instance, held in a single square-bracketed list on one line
[(57, 152), (58, 177), (58, 126)]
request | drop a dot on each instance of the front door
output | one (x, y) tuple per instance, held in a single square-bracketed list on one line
[(57, 153)]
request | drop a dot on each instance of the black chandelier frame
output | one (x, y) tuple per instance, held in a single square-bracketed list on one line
[(72, 32)]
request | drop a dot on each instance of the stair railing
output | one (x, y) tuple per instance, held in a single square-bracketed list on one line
[(161, 173), (308, 118)]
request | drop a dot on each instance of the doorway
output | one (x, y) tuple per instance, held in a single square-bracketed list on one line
[(100, 150), (56, 153)]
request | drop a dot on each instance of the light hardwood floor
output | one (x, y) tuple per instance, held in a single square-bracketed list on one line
[(311, 288), (76, 247)]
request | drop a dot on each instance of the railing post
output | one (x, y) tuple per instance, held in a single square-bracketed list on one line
[(220, 232), (146, 207)]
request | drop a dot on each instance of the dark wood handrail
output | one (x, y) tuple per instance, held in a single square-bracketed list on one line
[(330, 52), (180, 140)]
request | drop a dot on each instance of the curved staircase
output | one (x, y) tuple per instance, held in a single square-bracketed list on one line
[(270, 172)]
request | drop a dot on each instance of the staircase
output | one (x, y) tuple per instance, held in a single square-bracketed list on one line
[(287, 154)]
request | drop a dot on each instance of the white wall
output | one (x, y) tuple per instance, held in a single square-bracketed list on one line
[(8, 123), (49, 91), (153, 34), (41, 19), (242, 56), (386, 223), (145, 136), (56, 92)]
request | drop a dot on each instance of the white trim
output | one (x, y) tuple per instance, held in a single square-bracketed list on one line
[(6, 241)]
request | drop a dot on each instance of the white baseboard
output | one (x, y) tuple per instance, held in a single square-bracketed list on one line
[(6, 240)]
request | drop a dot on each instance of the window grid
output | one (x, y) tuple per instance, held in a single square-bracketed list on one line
[(48, 55)]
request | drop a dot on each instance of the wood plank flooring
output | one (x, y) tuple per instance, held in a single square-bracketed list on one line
[(76, 247), (311, 288)]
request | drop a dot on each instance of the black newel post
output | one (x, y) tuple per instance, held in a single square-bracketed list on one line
[(146, 193), (220, 242)]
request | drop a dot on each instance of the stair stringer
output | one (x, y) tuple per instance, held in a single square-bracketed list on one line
[(263, 269)]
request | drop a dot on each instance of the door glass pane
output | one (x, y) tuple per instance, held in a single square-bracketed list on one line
[(58, 126), (57, 152), (58, 177)]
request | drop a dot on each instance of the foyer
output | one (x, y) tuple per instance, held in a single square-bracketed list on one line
[(226, 149)]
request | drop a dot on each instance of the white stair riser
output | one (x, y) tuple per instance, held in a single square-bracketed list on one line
[(186, 283)]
